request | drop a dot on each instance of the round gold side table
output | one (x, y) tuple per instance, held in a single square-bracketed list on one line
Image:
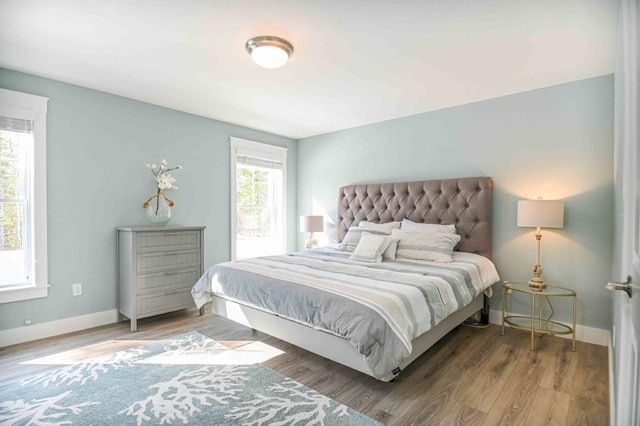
[(537, 324)]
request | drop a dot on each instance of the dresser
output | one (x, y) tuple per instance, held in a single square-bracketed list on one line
[(156, 268)]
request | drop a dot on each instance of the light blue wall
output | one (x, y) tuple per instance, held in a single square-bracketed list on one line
[(97, 147), (555, 142)]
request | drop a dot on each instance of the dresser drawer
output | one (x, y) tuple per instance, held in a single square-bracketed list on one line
[(165, 260), (172, 279), (169, 240), (164, 301)]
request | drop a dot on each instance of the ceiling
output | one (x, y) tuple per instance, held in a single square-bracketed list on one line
[(355, 62)]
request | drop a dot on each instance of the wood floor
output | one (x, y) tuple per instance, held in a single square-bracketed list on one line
[(472, 376)]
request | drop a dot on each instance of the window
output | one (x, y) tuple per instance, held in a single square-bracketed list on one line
[(258, 199), (23, 196)]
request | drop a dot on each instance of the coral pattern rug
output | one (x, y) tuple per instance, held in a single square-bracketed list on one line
[(187, 379)]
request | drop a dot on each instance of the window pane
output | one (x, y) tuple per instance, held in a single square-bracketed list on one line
[(245, 187), (11, 226), (10, 178), (258, 231), (13, 170), (261, 194), (13, 256), (12, 164)]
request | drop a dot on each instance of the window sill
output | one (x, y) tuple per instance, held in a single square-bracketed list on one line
[(15, 294)]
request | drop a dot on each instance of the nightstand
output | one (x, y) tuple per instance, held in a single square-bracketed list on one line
[(537, 323)]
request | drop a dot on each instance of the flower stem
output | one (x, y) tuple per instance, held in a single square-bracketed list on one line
[(158, 202)]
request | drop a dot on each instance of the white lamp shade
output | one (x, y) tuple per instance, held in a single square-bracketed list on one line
[(541, 213), (311, 223)]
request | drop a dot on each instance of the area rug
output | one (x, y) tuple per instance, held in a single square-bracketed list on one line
[(187, 379)]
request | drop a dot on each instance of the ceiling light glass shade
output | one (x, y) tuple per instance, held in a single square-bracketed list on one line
[(269, 51)]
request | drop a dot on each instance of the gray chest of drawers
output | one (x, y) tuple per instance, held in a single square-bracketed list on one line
[(157, 268)]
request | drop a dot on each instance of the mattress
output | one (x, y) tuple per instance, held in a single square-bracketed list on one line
[(378, 307)]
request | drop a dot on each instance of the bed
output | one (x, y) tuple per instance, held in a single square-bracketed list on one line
[(373, 317)]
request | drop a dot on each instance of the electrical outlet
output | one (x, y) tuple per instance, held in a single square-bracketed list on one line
[(27, 322), (76, 289)]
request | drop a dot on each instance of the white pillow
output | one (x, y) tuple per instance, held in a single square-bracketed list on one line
[(390, 252), (435, 247), (382, 227), (371, 247), (427, 228), (351, 240)]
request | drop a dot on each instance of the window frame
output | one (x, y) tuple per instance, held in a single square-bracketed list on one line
[(261, 150), (32, 107)]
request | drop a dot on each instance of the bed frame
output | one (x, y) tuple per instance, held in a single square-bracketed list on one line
[(465, 202)]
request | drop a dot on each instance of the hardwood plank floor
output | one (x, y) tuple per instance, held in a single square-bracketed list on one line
[(471, 377)]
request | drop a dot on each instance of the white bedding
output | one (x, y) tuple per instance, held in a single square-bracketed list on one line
[(379, 308)]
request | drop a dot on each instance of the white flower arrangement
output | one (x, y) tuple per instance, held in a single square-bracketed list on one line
[(164, 181)]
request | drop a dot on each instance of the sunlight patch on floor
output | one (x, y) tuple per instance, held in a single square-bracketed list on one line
[(232, 353), (78, 355), (251, 353), (257, 352)]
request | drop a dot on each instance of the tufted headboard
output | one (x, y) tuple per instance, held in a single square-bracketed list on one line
[(465, 202)]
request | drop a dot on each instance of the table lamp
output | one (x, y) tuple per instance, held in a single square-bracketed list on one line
[(540, 214), (311, 224)]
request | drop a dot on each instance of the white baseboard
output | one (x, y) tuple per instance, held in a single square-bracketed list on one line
[(28, 333), (597, 336)]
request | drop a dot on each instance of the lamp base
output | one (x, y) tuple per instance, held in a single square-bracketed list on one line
[(536, 282), (311, 242), (538, 285)]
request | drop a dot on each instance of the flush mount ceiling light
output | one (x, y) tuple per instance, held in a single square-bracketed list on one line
[(269, 51)]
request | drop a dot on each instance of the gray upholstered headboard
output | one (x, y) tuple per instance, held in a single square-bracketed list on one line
[(465, 202)]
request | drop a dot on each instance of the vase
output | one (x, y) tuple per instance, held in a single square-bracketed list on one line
[(158, 210)]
